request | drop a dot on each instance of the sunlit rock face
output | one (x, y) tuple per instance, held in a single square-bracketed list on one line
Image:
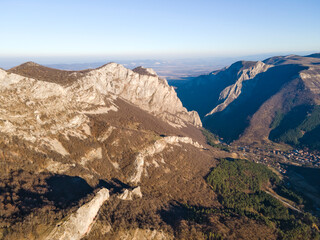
[(145, 90)]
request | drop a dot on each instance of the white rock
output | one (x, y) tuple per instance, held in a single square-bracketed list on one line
[(148, 92), (104, 136), (58, 167), (55, 145), (232, 92), (79, 223), (157, 147), (7, 80), (40, 112), (91, 155), (128, 195)]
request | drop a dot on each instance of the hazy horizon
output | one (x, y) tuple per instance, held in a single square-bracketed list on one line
[(73, 59), (157, 29), (173, 68)]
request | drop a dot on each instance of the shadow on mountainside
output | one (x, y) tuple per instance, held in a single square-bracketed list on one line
[(232, 121), (23, 192), (114, 185), (201, 93), (66, 191)]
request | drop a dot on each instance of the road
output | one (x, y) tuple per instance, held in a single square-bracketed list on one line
[(284, 202)]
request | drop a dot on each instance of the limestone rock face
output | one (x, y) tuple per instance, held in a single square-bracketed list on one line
[(212, 93), (141, 87), (157, 147), (36, 110), (311, 80), (232, 92), (147, 91), (80, 222)]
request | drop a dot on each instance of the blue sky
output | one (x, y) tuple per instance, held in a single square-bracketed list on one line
[(155, 28)]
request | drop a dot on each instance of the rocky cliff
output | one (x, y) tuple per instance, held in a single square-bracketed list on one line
[(141, 87), (69, 140), (232, 92), (80, 222)]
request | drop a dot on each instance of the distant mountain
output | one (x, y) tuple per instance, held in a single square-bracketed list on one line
[(314, 55), (255, 101)]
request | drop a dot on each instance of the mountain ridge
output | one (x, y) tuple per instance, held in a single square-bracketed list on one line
[(239, 102), (146, 89), (112, 130)]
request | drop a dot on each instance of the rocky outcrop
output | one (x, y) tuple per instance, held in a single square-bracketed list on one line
[(157, 147), (212, 93), (80, 222), (311, 79), (145, 90), (130, 194), (141, 87), (38, 111), (232, 92)]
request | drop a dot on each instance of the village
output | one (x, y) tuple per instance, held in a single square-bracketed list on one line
[(276, 158)]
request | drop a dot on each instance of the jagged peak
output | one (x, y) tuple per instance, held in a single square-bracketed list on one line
[(108, 65), (139, 70), (152, 94), (145, 71), (27, 68)]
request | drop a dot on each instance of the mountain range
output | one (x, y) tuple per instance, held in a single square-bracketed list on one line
[(112, 153), (254, 102)]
